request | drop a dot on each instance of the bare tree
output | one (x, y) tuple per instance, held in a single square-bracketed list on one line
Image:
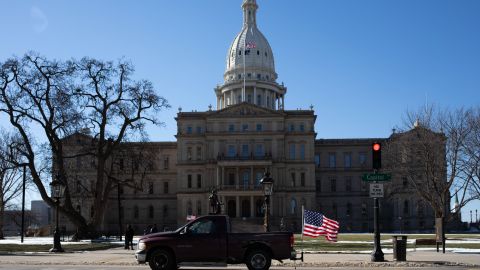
[(62, 97), (432, 150), (10, 175)]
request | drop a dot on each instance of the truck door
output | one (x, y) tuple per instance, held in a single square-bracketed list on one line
[(202, 241)]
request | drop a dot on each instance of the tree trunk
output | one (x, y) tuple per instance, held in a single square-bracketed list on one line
[(2, 212)]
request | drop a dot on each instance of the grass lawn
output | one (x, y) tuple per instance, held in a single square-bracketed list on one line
[(46, 248), (365, 242)]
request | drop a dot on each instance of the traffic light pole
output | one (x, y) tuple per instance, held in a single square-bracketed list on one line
[(377, 254)]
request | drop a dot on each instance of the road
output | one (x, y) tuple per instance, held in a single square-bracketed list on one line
[(143, 267)]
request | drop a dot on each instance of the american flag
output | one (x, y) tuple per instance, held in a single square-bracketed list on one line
[(316, 224), (250, 45)]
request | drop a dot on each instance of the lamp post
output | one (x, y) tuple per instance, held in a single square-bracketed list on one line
[(58, 188), (267, 184)]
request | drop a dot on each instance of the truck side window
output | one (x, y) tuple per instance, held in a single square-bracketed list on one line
[(203, 226)]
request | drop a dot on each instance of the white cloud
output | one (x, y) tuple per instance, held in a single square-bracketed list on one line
[(40, 21)]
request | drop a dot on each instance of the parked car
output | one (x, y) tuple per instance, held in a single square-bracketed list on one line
[(209, 239)]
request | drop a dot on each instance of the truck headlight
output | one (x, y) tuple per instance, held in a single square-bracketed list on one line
[(142, 245)]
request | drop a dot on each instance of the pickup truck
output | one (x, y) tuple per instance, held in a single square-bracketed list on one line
[(209, 239)]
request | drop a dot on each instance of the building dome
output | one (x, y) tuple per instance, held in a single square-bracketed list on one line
[(250, 51), (250, 72)]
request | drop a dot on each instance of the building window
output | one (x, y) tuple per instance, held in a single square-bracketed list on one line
[(231, 128), (302, 179), (199, 208), (259, 152), (291, 127), (165, 187), (199, 153), (302, 151), (317, 161), (332, 160), (318, 185), (405, 181), (364, 209), (135, 212), (249, 98), (231, 150), (231, 179), (199, 181), (189, 130), (348, 183), (245, 151), (405, 207), (258, 178), (293, 179), (189, 153), (150, 211), (293, 206), (259, 127), (189, 208), (165, 211), (362, 157), (347, 160), (199, 130), (349, 209), (189, 181), (292, 151), (165, 163), (333, 184), (246, 179), (302, 127), (150, 188), (245, 127), (268, 101), (259, 100)]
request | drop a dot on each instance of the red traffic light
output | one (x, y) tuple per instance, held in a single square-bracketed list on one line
[(376, 147)]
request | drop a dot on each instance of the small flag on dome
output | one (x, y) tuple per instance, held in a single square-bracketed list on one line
[(250, 45)]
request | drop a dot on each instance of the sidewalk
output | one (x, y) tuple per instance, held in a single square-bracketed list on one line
[(120, 256)]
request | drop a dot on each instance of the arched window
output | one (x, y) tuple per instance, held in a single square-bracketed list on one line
[(150, 211), (293, 206)]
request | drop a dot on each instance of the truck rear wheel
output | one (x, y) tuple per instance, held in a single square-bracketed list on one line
[(258, 260), (162, 259)]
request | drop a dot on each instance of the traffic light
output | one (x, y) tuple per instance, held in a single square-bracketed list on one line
[(376, 155)]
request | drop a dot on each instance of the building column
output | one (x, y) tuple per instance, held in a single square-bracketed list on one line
[(218, 175), (283, 102), (238, 206), (252, 179), (222, 177), (255, 95), (252, 206)]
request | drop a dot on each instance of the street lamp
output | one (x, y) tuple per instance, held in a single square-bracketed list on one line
[(58, 188), (267, 184)]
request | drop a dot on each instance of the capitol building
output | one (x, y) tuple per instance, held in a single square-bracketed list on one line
[(230, 147)]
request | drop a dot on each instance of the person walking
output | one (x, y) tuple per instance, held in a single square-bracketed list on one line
[(154, 229), (129, 237)]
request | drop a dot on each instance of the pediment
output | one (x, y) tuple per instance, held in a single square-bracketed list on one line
[(246, 109)]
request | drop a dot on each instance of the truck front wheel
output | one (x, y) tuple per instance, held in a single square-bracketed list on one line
[(162, 259), (258, 260)]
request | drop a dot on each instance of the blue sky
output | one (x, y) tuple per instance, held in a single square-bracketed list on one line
[(361, 64)]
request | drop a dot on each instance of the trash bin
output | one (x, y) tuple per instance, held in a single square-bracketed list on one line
[(400, 248)]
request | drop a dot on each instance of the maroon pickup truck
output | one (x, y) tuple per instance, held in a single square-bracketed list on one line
[(209, 239)]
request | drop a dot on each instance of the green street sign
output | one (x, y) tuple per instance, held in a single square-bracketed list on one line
[(371, 177)]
